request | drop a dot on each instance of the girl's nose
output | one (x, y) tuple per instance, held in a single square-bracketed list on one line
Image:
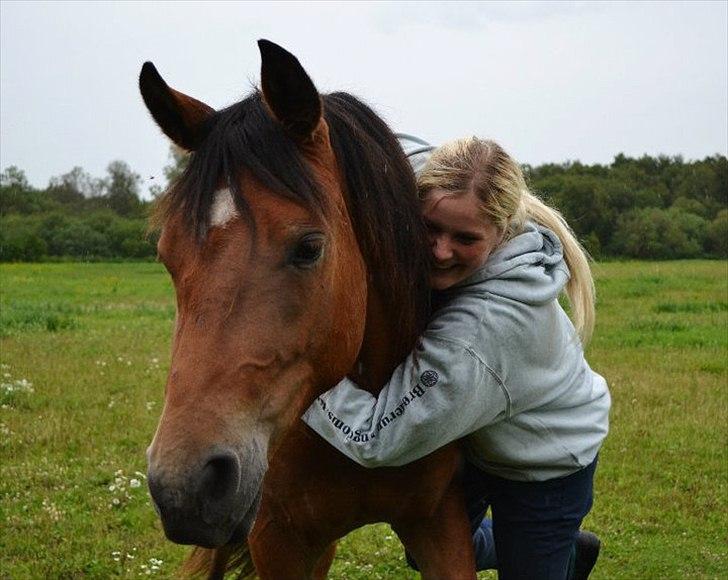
[(441, 249)]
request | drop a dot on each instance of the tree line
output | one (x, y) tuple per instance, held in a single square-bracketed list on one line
[(78, 216), (646, 208)]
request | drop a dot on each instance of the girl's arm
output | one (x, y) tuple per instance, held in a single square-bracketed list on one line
[(440, 393)]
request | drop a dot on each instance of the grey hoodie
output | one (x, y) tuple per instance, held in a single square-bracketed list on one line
[(417, 150), (499, 365)]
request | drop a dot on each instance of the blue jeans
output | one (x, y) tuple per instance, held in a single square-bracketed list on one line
[(534, 524)]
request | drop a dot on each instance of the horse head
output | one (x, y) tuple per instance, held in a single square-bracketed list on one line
[(271, 283)]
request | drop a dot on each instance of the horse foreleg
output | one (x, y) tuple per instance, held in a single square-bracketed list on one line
[(207, 563), (219, 563), (441, 542), (280, 552), (321, 569)]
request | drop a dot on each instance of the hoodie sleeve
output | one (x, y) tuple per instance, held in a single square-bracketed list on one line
[(441, 392)]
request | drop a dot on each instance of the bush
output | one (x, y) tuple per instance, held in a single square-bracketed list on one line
[(717, 234), (128, 239), (19, 240), (653, 233), (101, 234), (79, 240)]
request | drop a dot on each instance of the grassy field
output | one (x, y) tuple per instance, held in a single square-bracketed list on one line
[(84, 350)]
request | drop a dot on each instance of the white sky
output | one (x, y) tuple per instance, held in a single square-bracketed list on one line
[(551, 81)]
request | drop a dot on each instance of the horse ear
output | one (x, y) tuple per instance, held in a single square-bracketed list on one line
[(180, 117), (288, 91)]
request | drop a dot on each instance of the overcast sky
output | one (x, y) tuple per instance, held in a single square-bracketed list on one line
[(551, 81)]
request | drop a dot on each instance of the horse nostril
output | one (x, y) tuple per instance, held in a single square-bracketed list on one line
[(220, 476)]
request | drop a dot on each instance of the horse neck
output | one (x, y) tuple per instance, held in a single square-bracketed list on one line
[(378, 355)]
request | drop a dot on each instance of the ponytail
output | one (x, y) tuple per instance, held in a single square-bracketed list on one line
[(580, 287)]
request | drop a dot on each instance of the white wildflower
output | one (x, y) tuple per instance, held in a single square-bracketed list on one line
[(18, 386)]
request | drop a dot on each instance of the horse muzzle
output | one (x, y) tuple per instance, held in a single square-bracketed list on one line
[(210, 502)]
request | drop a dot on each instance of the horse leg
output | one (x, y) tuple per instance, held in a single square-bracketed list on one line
[(321, 569), (280, 552), (207, 563), (441, 542), (219, 561)]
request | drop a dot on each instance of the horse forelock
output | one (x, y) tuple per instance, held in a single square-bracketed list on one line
[(241, 141), (244, 141)]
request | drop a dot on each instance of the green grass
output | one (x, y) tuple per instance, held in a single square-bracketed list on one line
[(85, 348)]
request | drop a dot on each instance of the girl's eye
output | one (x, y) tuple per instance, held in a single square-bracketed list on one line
[(308, 251), (466, 241)]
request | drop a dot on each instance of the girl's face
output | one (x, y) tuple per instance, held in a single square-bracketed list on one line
[(461, 238)]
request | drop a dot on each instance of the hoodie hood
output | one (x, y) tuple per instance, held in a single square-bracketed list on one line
[(529, 268), (416, 150)]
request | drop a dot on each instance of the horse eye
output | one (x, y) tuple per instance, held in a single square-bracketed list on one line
[(308, 251)]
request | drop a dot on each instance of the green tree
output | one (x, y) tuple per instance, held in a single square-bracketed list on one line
[(19, 240), (717, 235), (700, 181), (15, 178), (74, 187), (128, 238), (690, 206), (18, 196), (123, 189), (654, 233)]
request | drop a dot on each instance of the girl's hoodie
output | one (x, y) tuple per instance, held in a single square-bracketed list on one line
[(499, 365)]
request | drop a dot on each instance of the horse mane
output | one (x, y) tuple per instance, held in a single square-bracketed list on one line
[(381, 195)]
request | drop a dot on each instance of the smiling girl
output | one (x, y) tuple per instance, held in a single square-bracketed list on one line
[(500, 365)]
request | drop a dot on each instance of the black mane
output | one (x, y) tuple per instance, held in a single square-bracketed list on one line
[(381, 194)]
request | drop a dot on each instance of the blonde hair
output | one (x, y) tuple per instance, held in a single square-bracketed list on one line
[(482, 167)]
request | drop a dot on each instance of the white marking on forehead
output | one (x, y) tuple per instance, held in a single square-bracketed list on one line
[(223, 208)]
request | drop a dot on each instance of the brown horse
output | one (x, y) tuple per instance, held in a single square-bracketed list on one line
[(298, 256)]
